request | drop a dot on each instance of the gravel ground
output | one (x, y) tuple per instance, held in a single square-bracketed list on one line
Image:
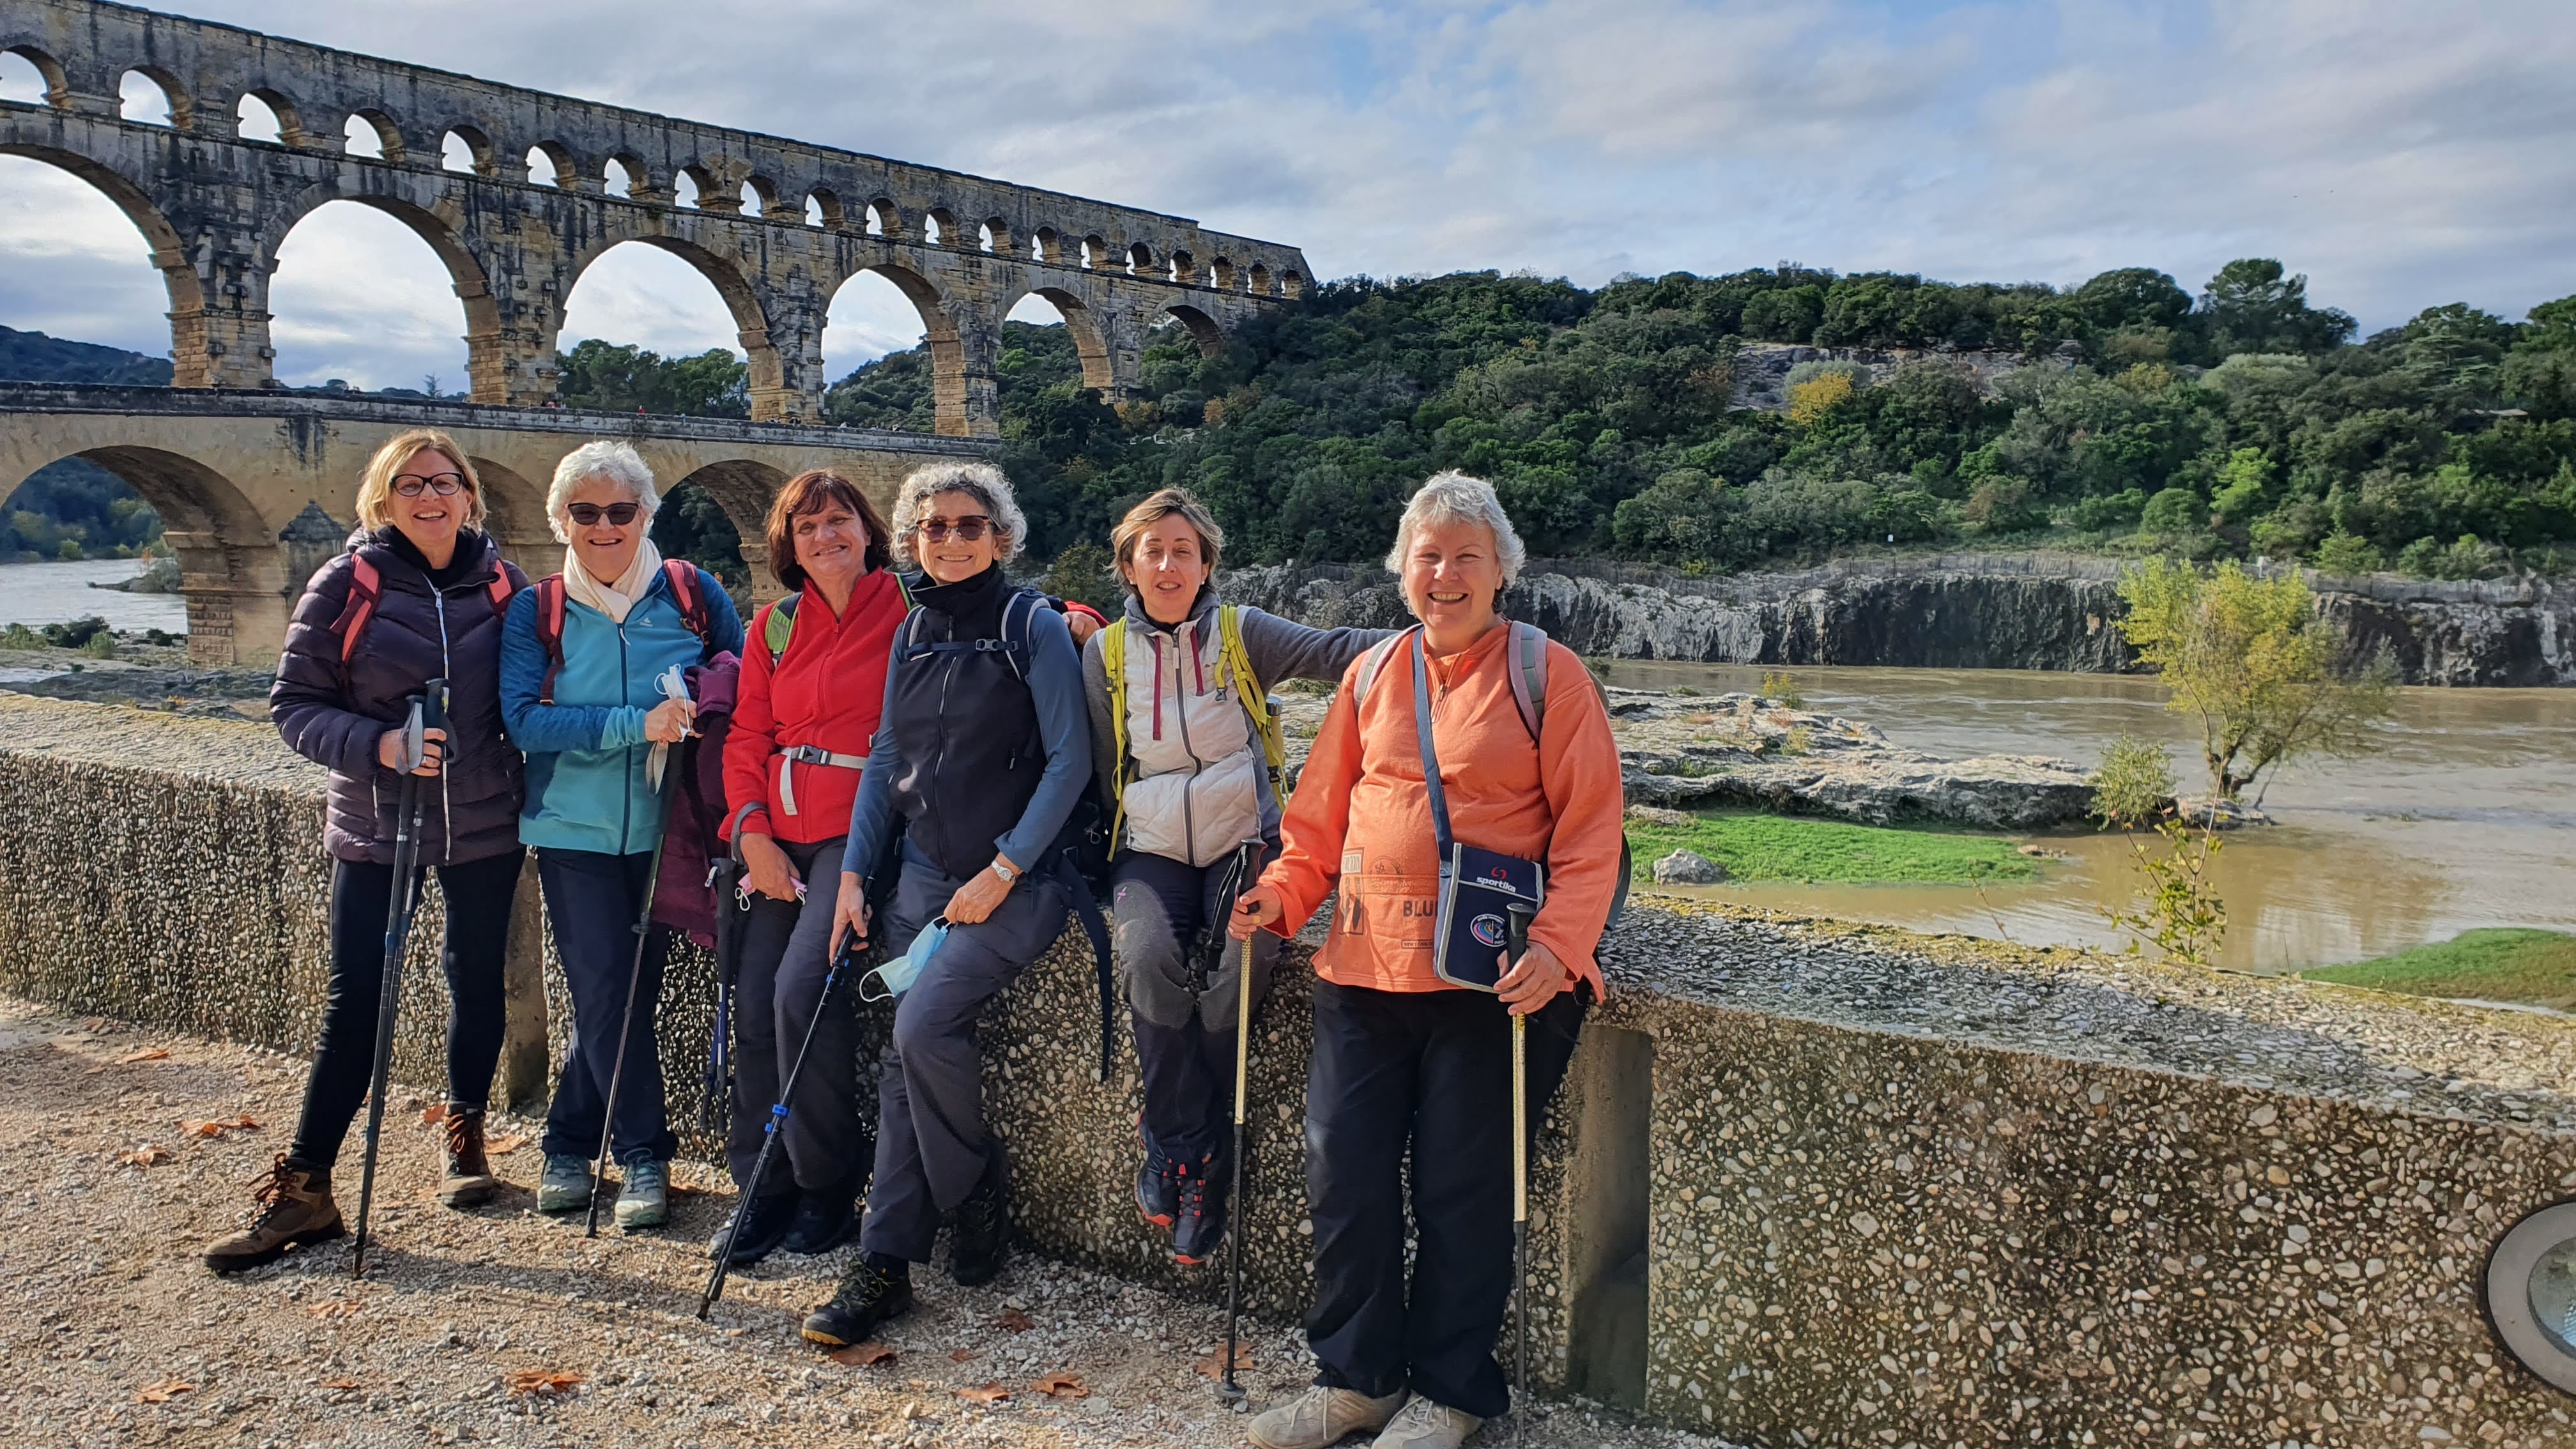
[(110, 1312)]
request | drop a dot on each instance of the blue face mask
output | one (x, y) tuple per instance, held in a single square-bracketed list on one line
[(895, 977)]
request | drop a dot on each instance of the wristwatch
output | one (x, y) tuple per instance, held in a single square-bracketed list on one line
[(1009, 873)]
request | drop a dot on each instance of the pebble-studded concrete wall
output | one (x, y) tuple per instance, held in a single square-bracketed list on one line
[(1807, 1184)]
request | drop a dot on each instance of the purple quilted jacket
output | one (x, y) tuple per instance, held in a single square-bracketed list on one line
[(333, 714)]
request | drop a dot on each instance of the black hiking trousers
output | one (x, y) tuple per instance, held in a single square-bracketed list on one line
[(1429, 1072), (478, 895)]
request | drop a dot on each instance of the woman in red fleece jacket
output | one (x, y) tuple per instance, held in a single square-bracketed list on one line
[(813, 682)]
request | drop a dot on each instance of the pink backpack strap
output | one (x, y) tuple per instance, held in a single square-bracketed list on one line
[(683, 576), (550, 627), (365, 585)]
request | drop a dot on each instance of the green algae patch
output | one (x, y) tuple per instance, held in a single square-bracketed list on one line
[(2498, 963), (1755, 846)]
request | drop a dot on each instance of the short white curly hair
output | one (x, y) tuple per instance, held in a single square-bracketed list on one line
[(982, 482), (619, 463), (1455, 497)]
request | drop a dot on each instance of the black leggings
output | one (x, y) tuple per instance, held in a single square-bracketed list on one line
[(478, 895)]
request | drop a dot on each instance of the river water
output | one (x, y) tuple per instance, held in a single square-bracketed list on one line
[(56, 593), (2466, 817)]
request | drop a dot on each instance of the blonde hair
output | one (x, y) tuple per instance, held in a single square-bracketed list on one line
[(1158, 506), (376, 485), (983, 482)]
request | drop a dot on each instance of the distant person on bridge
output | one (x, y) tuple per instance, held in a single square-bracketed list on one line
[(418, 596), (982, 755), (813, 687), (1404, 1056), (1187, 750), (582, 655)]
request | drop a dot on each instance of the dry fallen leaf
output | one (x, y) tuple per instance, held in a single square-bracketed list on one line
[(539, 1381), (989, 1394), (164, 1391), (143, 1054), (1014, 1321), (1214, 1364), (341, 1384), (1062, 1386), (506, 1143), (336, 1308), (862, 1355), (434, 1114), (93, 1023), (218, 1126), (147, 1156)]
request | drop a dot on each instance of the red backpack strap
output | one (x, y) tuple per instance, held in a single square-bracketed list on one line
[(500, 590), (550, 626), (365, 585), (692, 600)]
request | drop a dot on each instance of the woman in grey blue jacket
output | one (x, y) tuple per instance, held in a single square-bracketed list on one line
[(582, 654), (981, 753)]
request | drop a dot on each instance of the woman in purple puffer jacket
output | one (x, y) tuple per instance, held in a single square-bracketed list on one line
[(418, 596)]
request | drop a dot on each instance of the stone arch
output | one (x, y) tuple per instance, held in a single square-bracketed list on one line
[(939, 227), (1222, 274), (742, 303), (1258, 281), (290, 122), (58, 86), (483, 157), (191, 363), (1291, 285), (174, 96), (705, 192), (742, 489), (1095, 253), (1203, 329), (1083, 326), (567, 167), (1184, 269), (1049, 247), (485, 363), (824, 209), (995, 236), (231, 569), (388, 135), (760, 196), (883, 219), (639, 181), (1140, 260), (948, 388), (514, 511)]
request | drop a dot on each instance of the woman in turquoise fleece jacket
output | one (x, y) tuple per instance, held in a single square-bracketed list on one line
[(593, 813)]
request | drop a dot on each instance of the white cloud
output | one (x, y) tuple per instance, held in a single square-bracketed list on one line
[(2402, 155)]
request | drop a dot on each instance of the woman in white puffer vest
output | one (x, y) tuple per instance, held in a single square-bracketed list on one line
[(1185, 744)]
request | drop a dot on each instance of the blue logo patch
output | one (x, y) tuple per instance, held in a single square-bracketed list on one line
[(1488, 929)]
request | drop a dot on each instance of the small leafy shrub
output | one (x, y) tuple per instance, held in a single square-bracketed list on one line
[(1782, 690), (2344, 555), (101, 645), (76, 633), (19, 636)]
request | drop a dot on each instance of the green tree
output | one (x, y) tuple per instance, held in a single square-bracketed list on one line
[(2250, 659), (612, 377), (2255, 306)]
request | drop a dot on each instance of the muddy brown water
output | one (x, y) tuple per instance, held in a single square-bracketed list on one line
[(2465, 817)]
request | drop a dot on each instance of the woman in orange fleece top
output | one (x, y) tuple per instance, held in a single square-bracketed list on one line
[(1400, 1055)]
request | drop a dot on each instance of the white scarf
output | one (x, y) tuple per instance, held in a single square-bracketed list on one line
[(614, 600)]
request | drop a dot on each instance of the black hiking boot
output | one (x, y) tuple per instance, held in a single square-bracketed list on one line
[(980, 1228), (1198, 1229), (469, 1181), (769, 1218), (824, 1221), (875, 1289), (1157, 1195), (294, 1210)]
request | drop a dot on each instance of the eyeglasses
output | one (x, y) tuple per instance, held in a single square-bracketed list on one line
[(412, 485), (968, 529), (618, 514)]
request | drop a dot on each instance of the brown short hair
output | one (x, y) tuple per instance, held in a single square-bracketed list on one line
[(376, 485), (809, 492), (1159, 505)]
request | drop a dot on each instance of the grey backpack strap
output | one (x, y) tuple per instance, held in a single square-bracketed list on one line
[(1528, 648), (1370, 663)]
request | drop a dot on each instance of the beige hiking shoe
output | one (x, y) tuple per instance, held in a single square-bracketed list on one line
[(1426, 1425), (469, 1181), (293, 1209), (1321, 1416)]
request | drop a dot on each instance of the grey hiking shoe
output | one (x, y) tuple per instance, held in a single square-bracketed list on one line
[(1423, 1424), (565, 1186), (645, 1199), (1321, 1416)]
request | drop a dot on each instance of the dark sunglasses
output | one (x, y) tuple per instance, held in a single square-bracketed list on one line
[(618, 514), (412, 485), (968, 529)]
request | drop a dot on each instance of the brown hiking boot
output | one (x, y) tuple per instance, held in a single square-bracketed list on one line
[(469, 1181), (294, 1210)]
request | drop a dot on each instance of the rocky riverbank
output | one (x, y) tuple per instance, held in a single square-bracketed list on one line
[(1956, 611)]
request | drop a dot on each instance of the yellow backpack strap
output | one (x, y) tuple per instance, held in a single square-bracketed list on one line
[(1113, 667), (1238, 664)]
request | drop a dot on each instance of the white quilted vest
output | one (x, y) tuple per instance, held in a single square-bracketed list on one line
[(1198, 765)]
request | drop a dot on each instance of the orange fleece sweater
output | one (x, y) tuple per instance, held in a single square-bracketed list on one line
[(1361, 817)]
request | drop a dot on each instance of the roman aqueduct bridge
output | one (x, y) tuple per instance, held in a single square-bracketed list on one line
[(518, 192)]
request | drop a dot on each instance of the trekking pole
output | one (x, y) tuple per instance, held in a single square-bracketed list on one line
[(1247, 859), (634, 980), (428, 712), (1521, 915), (842, 959)]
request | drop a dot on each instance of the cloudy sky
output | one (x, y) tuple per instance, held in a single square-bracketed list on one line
[(2401, 154)]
